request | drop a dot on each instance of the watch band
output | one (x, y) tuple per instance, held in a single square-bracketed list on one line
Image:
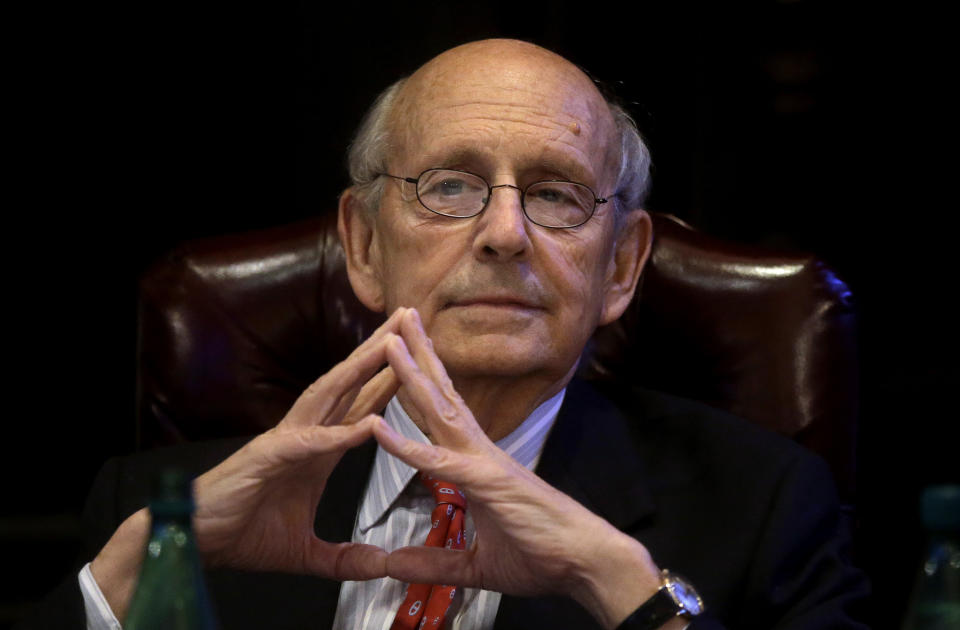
[(651, 614), (675, 597)]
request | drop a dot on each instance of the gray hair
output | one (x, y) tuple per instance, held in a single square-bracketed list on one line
[(633, 180), (367, 156)]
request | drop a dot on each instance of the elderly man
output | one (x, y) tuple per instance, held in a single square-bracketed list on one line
[(495, 215)]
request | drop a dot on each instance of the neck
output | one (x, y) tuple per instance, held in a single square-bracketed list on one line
[(499, 404)]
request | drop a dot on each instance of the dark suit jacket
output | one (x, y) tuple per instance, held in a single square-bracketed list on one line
[(752, 520)]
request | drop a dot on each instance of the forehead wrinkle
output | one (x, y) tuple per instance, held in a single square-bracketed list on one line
[(482, 135), (522, 124), (589, 164), (573, 105)]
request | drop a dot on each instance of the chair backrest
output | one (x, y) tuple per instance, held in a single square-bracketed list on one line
[(233, 328)]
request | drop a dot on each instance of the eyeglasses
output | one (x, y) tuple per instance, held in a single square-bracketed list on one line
[(459, 194)]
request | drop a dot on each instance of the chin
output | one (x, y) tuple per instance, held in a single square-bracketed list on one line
[(501, 358)]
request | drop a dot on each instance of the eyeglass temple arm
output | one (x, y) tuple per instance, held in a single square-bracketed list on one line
[(412, 180)]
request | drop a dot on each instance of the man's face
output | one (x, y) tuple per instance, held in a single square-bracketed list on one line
[(498, 295)]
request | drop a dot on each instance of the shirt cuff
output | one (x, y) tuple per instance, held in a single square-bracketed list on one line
[(99, 614)]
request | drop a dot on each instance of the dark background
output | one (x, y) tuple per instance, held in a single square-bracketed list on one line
[(823, 127)]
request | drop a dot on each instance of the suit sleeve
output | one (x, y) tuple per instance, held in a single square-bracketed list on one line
[(801, 577), (64, 607)]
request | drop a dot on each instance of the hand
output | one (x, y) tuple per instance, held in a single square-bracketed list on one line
[(531, 538), (256, 510)]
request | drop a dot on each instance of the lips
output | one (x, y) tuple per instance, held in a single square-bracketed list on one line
[(504, 301), (492, 301)]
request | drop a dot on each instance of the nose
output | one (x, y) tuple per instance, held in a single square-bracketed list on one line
[(502, 229)]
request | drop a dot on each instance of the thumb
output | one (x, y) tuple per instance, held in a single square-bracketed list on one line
[(345, 561), (433, 565)]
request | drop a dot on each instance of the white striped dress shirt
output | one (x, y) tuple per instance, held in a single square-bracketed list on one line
[(395, 513)]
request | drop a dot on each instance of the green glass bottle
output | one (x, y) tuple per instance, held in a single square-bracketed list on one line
[(935, 601), (171, 593)]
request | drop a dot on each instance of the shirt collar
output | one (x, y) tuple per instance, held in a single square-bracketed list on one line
[(390, 475)]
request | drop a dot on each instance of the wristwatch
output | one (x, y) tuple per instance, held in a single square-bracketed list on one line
[(675, 597)]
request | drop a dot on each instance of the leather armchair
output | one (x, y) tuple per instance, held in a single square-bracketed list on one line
[(233, 328)]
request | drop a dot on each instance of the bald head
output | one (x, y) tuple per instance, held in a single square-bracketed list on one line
[(511, 79), (520, 80)]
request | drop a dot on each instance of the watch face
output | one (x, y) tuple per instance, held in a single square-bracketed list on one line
[(684, 595)]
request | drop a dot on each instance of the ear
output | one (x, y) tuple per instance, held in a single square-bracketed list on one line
[(357, 227), (631, 249)]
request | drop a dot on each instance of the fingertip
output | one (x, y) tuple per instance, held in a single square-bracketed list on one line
[(396, 444), (396, 343), (395, 319), (382, 429), (356, 561), (369, 421), (411, 320), (430, 565), (404, 564)]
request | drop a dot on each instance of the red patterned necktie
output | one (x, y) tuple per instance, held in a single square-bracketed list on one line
[(427, 604)]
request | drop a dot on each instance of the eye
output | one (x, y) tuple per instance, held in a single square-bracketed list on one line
[(450, 187), (549, 194), (446, 184)]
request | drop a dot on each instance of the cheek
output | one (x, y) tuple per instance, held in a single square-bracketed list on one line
[(582, 273), (416, 258)]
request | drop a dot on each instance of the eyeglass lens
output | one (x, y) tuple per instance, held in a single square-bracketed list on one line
[(551, 204)]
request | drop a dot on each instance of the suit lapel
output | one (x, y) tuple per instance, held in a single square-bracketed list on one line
[(335, 518), (341, 498), (591, 456)]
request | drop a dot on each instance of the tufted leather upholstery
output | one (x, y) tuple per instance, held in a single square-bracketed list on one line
[(233, 328)]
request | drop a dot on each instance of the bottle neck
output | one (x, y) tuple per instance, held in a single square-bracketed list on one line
[(162, 518)]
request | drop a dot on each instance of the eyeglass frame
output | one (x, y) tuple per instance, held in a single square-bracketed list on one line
[(523, 193)]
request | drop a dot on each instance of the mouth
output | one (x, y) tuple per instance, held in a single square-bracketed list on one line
[(493, 301)]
